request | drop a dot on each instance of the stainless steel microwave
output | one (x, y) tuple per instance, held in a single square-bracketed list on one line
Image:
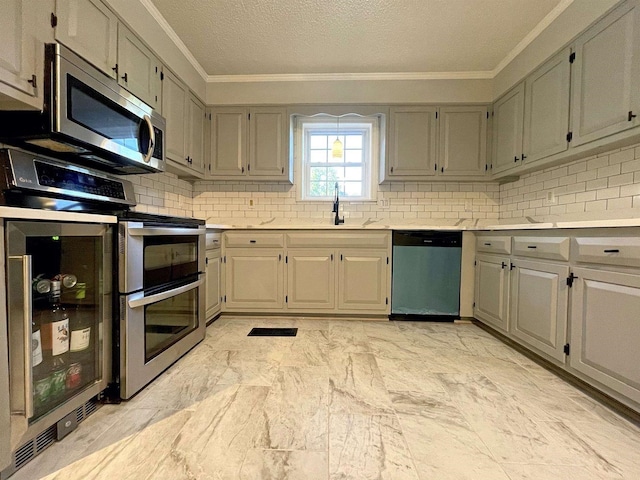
[(89, 119)]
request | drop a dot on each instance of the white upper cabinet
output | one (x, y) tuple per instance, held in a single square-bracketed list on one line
[(507, 130), (19, 51), (138, 68), (228, 142), (463, 141), (174, 108), (412, 142), (268, 149), (546, 110), (90, 29), (195, 129), (605, 96), (250, 143)]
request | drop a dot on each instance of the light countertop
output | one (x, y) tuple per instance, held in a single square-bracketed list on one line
[(386, 224), (38, 214)]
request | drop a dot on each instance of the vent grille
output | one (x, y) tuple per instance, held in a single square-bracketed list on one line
[(90, 407), (46, 438), (80, 414), (23, 454)]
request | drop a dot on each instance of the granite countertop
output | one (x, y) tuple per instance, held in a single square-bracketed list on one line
[(386, 224)]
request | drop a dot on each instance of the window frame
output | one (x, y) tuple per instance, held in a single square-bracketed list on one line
[(306, 125)]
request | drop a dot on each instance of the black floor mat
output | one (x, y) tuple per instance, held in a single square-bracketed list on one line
[(273, 332)]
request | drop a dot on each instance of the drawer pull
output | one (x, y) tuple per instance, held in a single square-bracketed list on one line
[(612, 250), (532, 246), (252, 241), (487, 244)]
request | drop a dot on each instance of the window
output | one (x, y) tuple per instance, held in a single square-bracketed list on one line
[(354, 172)]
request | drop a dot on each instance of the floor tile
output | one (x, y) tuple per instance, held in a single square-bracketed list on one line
[(284, 465)]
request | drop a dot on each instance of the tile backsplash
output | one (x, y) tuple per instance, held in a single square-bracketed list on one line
[(602, 186), (406, 200), (162, 193)]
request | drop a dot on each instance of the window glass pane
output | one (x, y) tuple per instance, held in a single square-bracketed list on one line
[(318, 173), (335, 173), (318, 141), (318, 189), (352, 189), (353, 156), (353, 141), (353, 173), (318, 156)]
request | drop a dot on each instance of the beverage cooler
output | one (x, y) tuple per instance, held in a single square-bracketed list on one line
[(59, 306)]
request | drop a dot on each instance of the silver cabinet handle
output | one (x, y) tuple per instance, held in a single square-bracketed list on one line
[(26, 331), (156, 232), (139, 300)]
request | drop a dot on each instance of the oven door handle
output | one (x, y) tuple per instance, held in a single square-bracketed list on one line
[(139, 300), (163, 231)]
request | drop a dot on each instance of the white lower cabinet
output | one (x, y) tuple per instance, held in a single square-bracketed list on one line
[(311, 279), (363, 281), (254, 279), (492, 291), (213, 299), (605, 328), (538, 306)]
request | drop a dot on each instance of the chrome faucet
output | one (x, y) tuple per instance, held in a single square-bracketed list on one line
[(336, 209)]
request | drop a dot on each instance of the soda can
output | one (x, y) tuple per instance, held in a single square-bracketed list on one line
[(74, 376), (42, 391), (42, 285), (69, 280), (58, 382)]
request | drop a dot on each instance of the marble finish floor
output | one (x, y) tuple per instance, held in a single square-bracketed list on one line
[(349, 400)]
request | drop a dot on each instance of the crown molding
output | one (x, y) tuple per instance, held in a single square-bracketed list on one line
[(333, 77), (532, 35), (158, 17)]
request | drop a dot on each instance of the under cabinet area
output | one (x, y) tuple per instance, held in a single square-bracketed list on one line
[(213, 272), (570, 296), (307, 272)]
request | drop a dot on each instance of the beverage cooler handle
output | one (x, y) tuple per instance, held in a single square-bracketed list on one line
[(26, 330)]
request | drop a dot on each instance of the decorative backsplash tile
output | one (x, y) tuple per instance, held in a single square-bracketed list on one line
[(602, 186), (406, 200), (162, 193)]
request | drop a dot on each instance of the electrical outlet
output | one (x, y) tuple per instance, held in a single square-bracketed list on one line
[(551, 198), (383, 203), (251, 203)]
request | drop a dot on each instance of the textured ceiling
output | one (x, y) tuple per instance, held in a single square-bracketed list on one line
[(244, 37)]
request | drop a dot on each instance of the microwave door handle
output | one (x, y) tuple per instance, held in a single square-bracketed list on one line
[(26, 331), (152, 139), (159, 231), (140, 300)]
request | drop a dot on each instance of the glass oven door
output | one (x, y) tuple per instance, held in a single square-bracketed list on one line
[(156, 329)]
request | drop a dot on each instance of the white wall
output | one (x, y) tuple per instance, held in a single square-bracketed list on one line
[(350, 91)]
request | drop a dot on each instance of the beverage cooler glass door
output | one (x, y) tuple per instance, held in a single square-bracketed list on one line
[(59, 305)]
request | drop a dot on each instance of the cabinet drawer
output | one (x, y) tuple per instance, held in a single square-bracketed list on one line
[(494, 244), (551, 248), (315, 239), (247, 239), (608, 250), (212, 240)]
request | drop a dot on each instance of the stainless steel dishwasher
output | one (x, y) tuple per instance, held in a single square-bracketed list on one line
[(426, 275)]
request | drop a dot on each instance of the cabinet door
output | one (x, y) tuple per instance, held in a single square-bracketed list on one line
[(492, 291), (174, 109), (546, 111), (254, 279), (229, 142), (363, 281), (195, 129), (412, 142), (213, 283), (18, 53), (604, 76), (138, 68), (311, 279), (463, 141), (539, 300), (507, 130), (268, 144), (90, 29), (605, 327)]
